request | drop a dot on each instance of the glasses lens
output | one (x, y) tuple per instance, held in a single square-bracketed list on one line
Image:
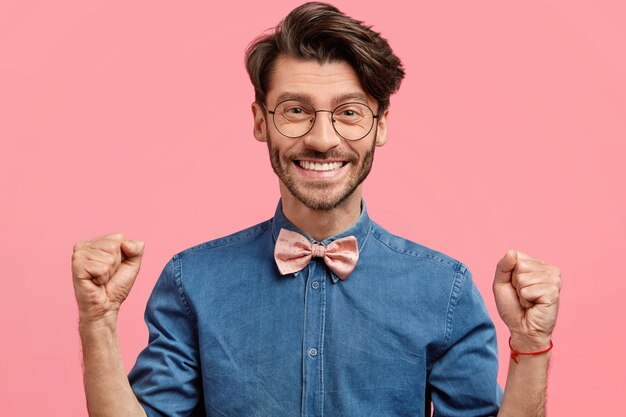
[(293, 118), (353, 121)]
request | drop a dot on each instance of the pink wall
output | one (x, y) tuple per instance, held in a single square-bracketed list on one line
[(509, 131)]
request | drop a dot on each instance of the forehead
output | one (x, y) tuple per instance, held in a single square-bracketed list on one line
[(323, 84)]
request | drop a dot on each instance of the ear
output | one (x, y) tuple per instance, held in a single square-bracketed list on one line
[(381, 134), (260, 126)]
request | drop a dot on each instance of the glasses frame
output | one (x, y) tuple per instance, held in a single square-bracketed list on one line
[(332, 118)]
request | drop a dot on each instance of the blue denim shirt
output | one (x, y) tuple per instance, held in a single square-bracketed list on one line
[(230, 336)]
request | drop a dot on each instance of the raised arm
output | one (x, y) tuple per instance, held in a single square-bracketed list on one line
[(104, 270), (527, 296)]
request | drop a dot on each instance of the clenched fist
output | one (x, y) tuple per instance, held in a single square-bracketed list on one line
[(527, 291), (104, 270)]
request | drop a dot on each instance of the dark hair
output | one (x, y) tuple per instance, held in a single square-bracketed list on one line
[(320, 32)]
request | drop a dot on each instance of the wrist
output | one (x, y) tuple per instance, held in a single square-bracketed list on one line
[(91, 323), (516, 354), (526, 343)]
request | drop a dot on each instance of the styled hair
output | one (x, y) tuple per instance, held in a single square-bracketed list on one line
[(320, 32)]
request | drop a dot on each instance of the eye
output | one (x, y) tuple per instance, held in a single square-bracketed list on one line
[(294, 110), (350, 112)]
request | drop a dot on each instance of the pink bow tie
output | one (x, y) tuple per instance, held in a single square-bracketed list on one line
[(293, 252)]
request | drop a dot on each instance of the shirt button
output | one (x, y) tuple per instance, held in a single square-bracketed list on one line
[(315, 285), (313, 352)]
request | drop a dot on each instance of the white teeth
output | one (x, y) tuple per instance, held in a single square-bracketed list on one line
[(316, 166)]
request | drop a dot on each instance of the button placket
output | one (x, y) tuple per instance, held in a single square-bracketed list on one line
[(313, 338)]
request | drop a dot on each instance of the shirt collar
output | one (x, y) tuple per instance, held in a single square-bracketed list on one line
[(360, 229)]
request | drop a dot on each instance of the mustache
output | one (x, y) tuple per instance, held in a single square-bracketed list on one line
[(312, 154)]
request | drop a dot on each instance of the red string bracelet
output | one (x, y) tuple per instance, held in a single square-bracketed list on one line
[(515, 353)]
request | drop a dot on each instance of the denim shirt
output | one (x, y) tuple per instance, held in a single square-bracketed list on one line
[(230, 336)]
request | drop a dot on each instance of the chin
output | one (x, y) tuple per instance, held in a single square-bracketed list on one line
[(320, 199)]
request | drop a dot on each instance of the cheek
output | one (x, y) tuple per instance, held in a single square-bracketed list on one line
[(363, 150), (287, 149), (277, 148)]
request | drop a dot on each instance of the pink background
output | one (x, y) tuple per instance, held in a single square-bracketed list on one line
[(508, 131)]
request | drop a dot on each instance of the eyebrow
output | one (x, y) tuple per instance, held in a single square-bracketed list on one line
[(335, 100)]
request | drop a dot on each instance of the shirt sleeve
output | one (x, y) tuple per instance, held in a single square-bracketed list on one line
[(463, 379), (166, 377)]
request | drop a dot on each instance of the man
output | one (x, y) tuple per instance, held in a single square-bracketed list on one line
[(318, 311)]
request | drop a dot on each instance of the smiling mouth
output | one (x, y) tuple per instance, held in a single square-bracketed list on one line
[(317, 166)]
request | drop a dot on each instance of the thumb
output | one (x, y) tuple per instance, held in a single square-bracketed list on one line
[(505, 267), (133, 251)]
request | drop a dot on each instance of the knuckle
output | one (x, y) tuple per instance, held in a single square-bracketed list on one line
[(82, 273), (553, 269), (552, 296), (75, 271), (79, 256), (78, 263), (555, 278), (555, 294), (103, 269), (111, 246), (522, 280), (523, 292), (78, 246), (108, 258)]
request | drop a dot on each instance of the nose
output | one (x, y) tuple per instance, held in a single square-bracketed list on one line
[(322, 136)]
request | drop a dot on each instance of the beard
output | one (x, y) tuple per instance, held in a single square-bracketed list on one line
[(319, 195)]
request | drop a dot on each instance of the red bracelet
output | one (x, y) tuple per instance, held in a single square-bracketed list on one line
[(515, 353)]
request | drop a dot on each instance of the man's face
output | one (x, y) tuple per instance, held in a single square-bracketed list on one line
[(320, 169)]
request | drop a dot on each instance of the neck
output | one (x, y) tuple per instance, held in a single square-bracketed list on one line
[(321, 224)]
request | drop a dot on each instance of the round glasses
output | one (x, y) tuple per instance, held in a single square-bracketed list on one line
[(351, 121)]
